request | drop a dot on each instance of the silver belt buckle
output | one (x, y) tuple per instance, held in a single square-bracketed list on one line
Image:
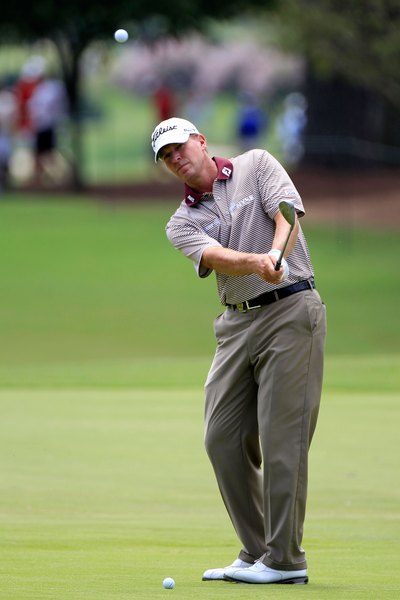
[(244, 306)]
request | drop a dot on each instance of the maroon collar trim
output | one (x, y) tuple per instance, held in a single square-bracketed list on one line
[(225, 168)]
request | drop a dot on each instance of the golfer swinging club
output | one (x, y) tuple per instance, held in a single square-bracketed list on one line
[(264, 386)]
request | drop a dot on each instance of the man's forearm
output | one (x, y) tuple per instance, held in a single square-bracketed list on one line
[(234, 263), (281, 233), (230, 262)]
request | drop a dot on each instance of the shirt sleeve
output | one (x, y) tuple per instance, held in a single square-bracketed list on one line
[(275, 185), (191, 240)]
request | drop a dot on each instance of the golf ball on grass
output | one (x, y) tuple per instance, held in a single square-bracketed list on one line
[(168, 583), (121, 36)]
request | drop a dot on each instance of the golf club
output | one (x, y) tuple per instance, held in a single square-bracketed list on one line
[(288, 211)]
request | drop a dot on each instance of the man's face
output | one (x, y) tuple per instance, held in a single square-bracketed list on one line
[(185, 160)]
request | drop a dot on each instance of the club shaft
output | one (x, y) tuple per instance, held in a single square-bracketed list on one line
[(279, 261)]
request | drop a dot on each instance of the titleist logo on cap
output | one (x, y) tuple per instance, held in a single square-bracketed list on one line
[(162, 130), (171, 131)]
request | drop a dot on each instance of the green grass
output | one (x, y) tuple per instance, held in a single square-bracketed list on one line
[(105, 343), (114, 143), (86, 282), (106, 492)]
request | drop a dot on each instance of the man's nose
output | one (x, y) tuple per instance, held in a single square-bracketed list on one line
[(175, 155)]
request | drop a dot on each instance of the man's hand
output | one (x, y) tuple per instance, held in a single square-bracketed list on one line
[(266, 269)]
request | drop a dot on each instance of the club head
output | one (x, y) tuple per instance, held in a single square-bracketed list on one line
[(288, 211)]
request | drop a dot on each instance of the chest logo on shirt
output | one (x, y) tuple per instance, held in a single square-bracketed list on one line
[(240, 203), (213, 224)]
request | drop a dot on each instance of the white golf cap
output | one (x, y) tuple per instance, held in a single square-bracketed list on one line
[(171, 131)]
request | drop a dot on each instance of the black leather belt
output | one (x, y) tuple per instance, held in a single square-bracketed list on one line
[(270, 297)]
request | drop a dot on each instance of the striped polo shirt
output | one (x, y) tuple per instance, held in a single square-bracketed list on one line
[(239, 214)]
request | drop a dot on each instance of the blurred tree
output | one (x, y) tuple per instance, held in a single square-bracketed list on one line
[(353, 83), (357, 40), (72, 25), (354, 41)]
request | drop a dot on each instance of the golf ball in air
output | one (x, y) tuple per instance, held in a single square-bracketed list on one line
[(168, 583), (121, 36)]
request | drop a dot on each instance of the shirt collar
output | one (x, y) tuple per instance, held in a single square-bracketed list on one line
[(225, 168)]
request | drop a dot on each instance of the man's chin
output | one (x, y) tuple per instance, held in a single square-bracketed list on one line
[(183, 174)]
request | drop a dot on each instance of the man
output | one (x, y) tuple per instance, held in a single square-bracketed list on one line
[(47, 109), (264, 386)]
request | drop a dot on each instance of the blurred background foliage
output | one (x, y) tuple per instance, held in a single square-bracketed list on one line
[(340, 57)]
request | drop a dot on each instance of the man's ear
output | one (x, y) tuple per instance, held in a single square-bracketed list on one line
[(203, 141)]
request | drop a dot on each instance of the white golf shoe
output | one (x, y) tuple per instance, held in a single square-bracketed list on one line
[(218, 574), (260, 573)]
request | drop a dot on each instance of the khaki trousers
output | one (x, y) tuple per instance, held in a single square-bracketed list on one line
[(262, 399)]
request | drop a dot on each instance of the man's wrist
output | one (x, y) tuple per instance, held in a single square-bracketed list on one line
[(275, 253)]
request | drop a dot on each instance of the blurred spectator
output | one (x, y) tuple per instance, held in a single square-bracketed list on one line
[(31, 75), (165, 104), (47, 108), (290, 127), (164, 101), (8, 120), (252, 122)]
